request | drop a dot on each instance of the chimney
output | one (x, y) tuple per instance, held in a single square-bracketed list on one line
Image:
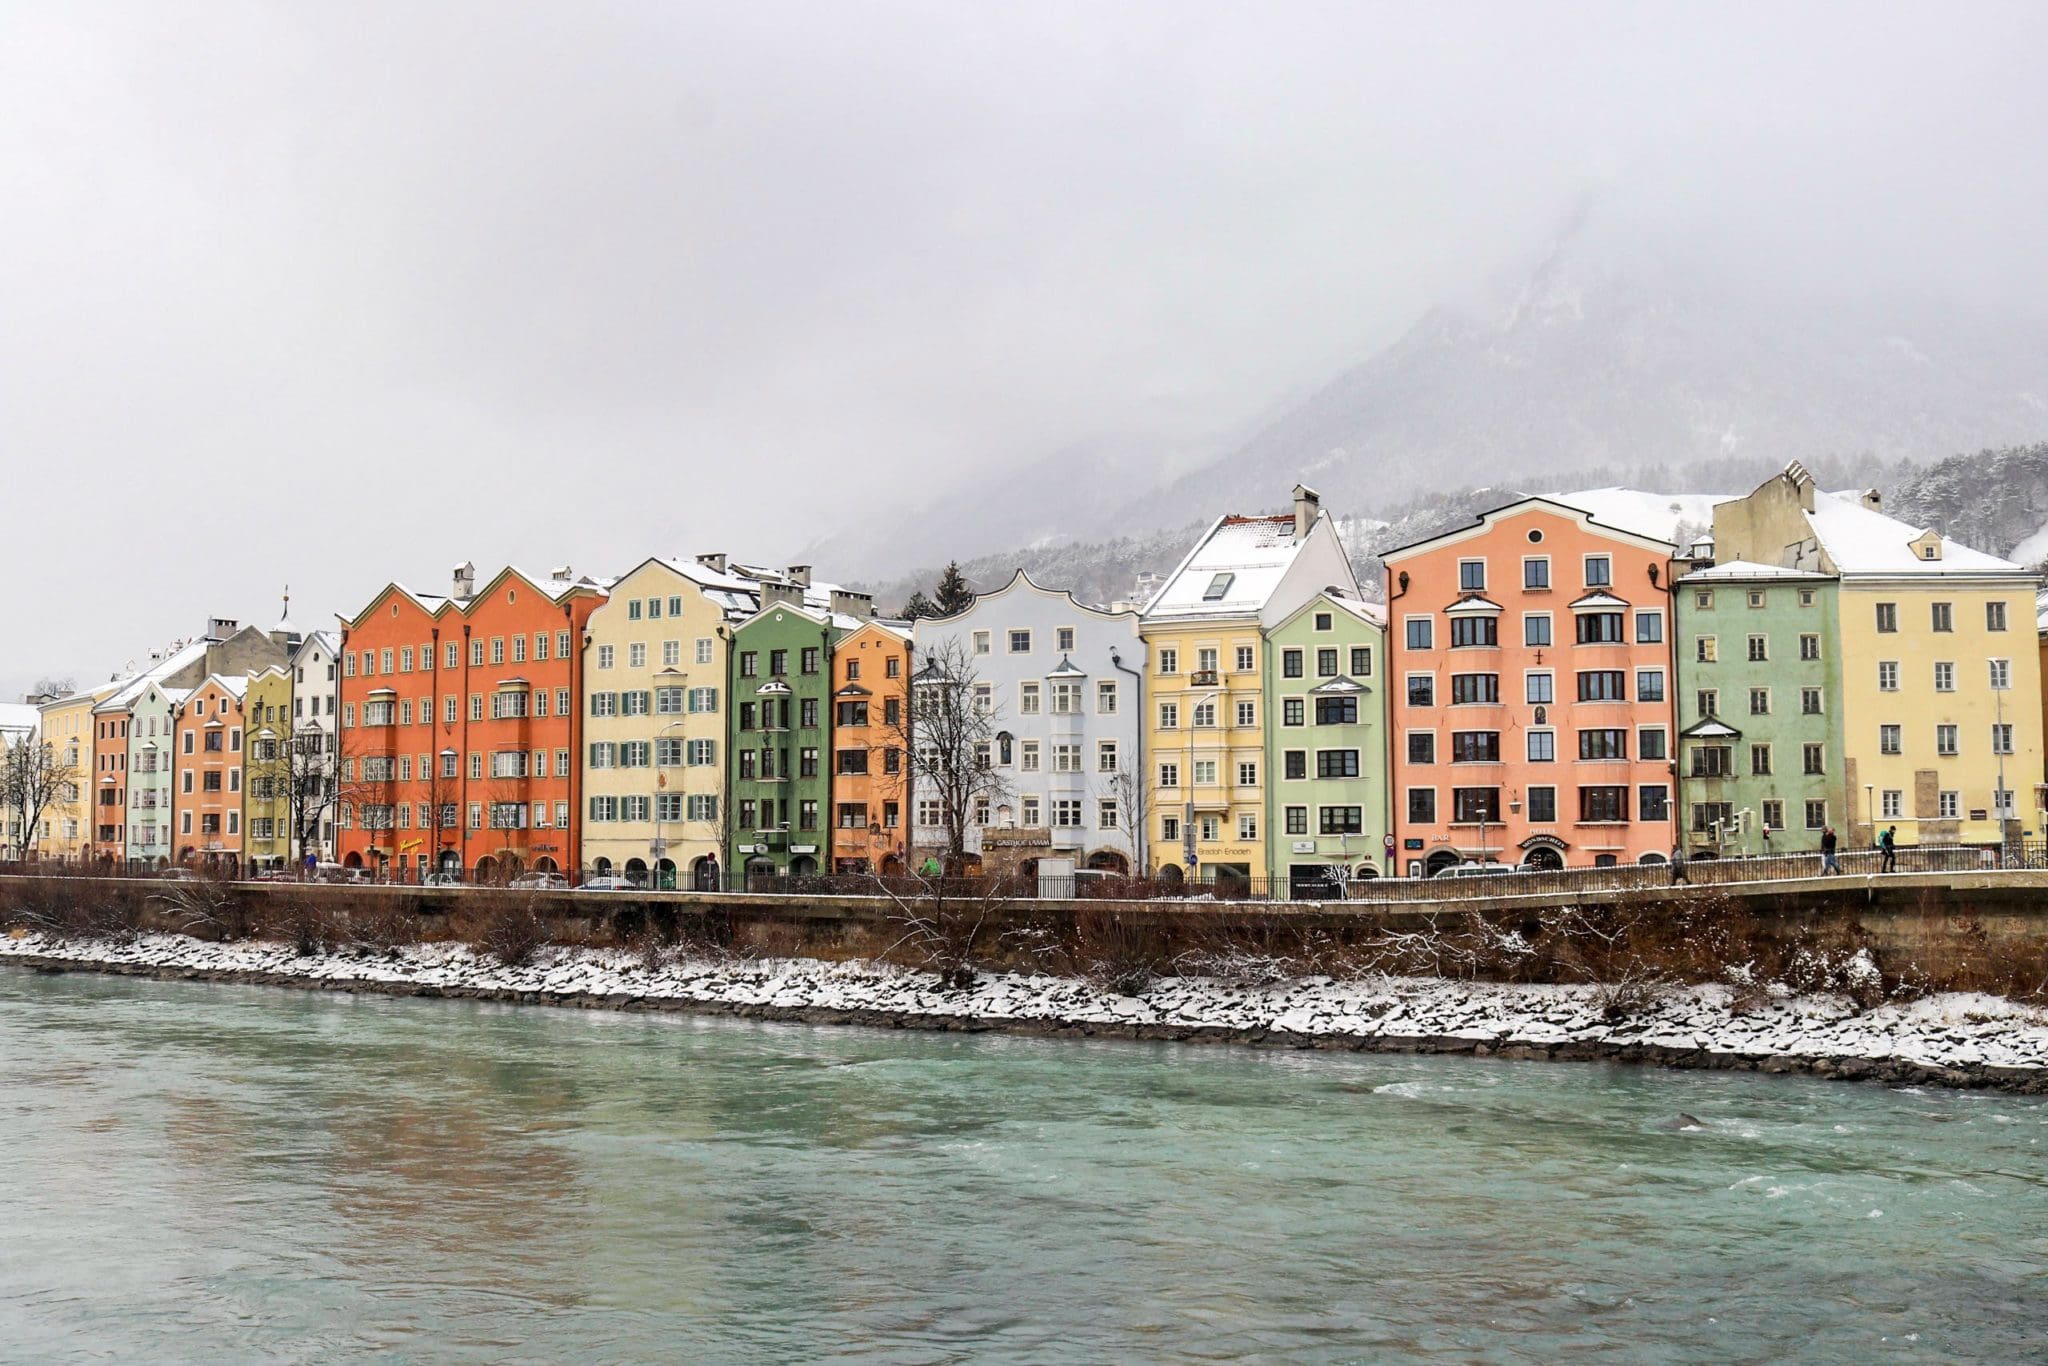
[(800, 575), (860, 605), (1873, 500), (220, 628), (781, 595), (1307, 504), (465, 581), (714, 562), (563, 574)]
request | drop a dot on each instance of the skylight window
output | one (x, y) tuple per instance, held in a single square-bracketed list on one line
[(1218, 586)]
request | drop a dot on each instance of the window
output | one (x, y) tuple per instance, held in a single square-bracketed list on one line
[(1759, 649), (1704, 650), (1712, 761), (2001, 675), (1946, 741), (703, 699), (1542, 746), (1020, 642), (811, 660), (1247, 713), (1218, 586), (1816, 815), (1944, 677), (1472, 576), (1606, 743), (1649, 628), (1247, 773), (1297, 820), (1887, 616), (1536, 572), (1105, 696), (1994, 616), (1538, 688), (1475, 688), (1888, 675), (1809, 647), (1813, 759), (1421, 746), (1343, 763), (1169, 828), (1169, 715), (1773, 814), (1337, 711), (1421, 633), (1603, 685), (1707, 701), (1650, 742), (1028, 698), (667, 701), (1756, 597), (1204, 715), (778, 663), (1703, 598), (1465, 631), (1599, 628), (606, 654), (1066, 813), (1248, 658), (1341, 820), (1066, 756), (1649, 685), (1326, 663), (1293, 712), (1760, 761), (1290, 663), (1169, 775), (1536, 628), (1169, 660), (1063, 638), (1944, 618), (1473, 804), (1949, 805), (1759, 701), (1599, 571), (1422, 805), (2001, 737), (851, 714), (1809, 701), (750, 663), (1653, 803), (1205, 773), (1891, 802), (1421, 690), (1542, 805), (1603, 804), (1247, 825), (1027, 756), (604, 704), (1888, 739), (1361, 661)]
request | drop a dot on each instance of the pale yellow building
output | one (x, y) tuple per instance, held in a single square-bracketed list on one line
[(1941, 676), (1205, 725), (65, 829)]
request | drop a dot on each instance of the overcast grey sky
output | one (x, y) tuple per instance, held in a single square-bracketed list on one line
[(332, 294)]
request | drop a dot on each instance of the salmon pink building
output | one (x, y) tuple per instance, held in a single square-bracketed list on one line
[(206, 801), (461, 725), (1531, 717)]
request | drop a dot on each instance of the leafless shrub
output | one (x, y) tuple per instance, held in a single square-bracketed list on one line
[(204, 906), (1119, 950), (945, 924), (507, 927)]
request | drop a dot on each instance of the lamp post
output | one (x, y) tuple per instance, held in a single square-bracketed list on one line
[(659, 849), (1187, 828)]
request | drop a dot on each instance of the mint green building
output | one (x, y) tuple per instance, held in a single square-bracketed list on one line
[(1759, 707), (780, 742), (1326, 744)]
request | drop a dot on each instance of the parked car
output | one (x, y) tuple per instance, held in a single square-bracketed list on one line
[(1478, 870), (540, 882), (444, 880), (277, 875), (335, 872), (609, 884)]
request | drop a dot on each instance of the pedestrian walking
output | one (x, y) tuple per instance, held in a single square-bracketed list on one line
[(1678, 866), (1827, 852), (1888, 845)]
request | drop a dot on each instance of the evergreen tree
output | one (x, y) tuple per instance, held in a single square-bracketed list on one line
[(953, 594), (919, 607)]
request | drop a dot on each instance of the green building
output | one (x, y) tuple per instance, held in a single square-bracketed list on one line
[(267, 825), (1759, 709), (779, 741), (1326, 744)]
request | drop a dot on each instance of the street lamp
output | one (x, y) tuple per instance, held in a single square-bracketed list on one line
[(1187, 829)]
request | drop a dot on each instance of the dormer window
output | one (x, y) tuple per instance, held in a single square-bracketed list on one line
[(1218, 586)]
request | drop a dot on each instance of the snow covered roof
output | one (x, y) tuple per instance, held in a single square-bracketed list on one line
[(1472, 604), (1862, 540), (17, 719), (1598, 602), (327, 642), (1656, 515), (123, 697), (1710, 728), (1742, 570), (1232, 571)]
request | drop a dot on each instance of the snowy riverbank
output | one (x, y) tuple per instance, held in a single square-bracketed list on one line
[(1956, 1039)]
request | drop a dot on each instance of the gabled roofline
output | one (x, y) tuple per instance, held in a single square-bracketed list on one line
[(1494, 515), (1020, 575), (1358, 608), (1181, 568)]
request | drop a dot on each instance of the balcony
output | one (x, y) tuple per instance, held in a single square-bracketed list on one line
[(1202, 678)]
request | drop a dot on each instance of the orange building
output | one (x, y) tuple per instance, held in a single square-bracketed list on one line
[(206, 771), (461, 725), (1532, 676), (870, 771)]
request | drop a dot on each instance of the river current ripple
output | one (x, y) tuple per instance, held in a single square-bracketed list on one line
[(194, 1172)]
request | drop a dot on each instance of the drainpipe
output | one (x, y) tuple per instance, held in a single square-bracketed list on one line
[(1393, 793), (1670, 590), (1141, 826)]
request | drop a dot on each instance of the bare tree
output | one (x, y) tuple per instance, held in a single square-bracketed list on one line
[(46, 686), (1133, 797), (32, 778), (301, 776), (946, 737)]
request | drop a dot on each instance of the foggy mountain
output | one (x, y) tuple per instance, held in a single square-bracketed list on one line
[(1605, 362)]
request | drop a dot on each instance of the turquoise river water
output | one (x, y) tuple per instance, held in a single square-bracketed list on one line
[(205, 1173)]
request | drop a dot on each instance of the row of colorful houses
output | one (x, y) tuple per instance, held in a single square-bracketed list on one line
[(1542, 687)]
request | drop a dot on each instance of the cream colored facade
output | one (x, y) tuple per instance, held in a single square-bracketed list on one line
[(66, 829), (654, 723), (1940, 670)]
